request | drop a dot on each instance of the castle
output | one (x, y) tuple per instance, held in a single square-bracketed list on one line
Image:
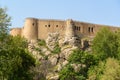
[(34, 29)]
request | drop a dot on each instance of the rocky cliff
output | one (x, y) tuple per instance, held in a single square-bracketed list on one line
[(52, 54)]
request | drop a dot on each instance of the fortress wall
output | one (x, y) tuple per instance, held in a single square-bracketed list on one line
[(78, 28), (40, 28), (84, 29), (88, 29), (16, 31), (112, 28), (22, 29), (30, 29), (50, 26)]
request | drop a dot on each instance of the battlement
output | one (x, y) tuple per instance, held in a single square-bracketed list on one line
[(40, 28)]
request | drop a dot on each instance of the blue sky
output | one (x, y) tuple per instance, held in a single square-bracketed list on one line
[(94, 11)]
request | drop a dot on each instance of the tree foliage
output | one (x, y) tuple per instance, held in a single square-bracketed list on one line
[(95, 72), (105, 70), (4, 22), (15, 60), (68, 73), (78, 57), (105, 44)]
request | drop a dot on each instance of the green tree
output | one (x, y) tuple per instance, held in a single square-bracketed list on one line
[(105, 44), (105, 70), (68, 73), (4, 23), (95, 72), (78, 57), (15, 60), (112, 70)]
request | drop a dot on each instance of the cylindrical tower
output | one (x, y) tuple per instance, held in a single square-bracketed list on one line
[(30, 29), (69, 29)]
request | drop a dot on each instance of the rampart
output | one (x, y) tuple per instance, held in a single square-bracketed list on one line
[(40, 28)]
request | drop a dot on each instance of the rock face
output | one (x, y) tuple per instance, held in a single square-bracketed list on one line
[(58, 60), (52, 40)]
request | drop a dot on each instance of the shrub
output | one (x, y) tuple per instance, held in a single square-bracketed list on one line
[(57, 49), (41, 42), (68, 73)]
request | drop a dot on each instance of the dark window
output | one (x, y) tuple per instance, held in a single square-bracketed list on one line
[(56, 25), (79, 28), (92, 29), (89, 29), (45, 25), (33, 24), (75, 27), (49, 25)]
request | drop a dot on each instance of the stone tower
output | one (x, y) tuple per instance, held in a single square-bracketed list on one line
[(69, 33), (30, 29)]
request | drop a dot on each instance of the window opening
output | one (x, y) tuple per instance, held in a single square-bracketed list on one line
[(75, 27), (92, 29), (49, 25), (89, 29), (56, 25), (79, 28), (33, 24)]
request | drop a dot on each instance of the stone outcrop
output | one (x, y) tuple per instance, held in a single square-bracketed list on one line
[(45, 52)]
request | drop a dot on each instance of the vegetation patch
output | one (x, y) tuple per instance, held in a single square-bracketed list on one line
[(68, 73), (57, 49), (41, 42)]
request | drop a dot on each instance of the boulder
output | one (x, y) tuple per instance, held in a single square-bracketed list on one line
[(76, 67), (52, 40), (59, 67), (47, 53), (52, 76), (64, 63), (53, 59)]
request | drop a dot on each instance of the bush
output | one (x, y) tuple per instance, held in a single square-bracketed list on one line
[(105, 44), (82, 57), (57, 49), (105, 70), (15, 60), (41, 42), (68, 73)]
